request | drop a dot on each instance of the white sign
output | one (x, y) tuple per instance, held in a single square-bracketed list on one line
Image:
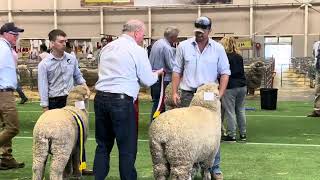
[(80, 105), (208, 96)]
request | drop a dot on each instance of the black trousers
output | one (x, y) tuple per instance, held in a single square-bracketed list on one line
[(57, 102)]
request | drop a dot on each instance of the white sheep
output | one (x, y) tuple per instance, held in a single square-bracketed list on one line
[(181, 137), (56, 133)]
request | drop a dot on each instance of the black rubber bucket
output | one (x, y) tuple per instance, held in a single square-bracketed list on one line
[(268, 97)]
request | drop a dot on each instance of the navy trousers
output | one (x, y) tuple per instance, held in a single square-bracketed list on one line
[(115, 120)]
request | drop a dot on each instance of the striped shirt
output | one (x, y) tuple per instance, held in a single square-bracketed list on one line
[(56, 77), (162, 56)]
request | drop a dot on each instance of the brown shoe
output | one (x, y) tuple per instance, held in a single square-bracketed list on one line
[(87, 172), (10, 164), (217, 176)]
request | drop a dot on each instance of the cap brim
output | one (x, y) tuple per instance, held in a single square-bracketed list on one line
[(19, 30), (198, 30)]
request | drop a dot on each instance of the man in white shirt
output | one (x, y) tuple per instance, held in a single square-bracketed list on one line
[(123, 67)]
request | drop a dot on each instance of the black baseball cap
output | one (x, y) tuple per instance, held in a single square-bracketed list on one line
[(10, 27), (202, 23)]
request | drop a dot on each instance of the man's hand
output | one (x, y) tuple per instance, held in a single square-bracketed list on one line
[(88, 90), (176, 98), (159, 72), (45, 109)]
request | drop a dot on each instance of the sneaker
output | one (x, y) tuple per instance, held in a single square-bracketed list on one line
[(23, 100), (243, 137), (10, 164), (229, 138), (217, 176)]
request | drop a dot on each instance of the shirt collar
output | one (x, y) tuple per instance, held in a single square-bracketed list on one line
[(129, 38), (6, 41), (51, 57), (193, 41)]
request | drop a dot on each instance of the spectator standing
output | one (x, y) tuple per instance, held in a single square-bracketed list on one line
[(162, 56), (43, 52), (104, 42), (233, 101), (8, 83), (124, 66), (200, 60), (19, 90)]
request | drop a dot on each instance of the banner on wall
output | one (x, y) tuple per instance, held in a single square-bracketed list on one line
[(244, 44), (150, 2)]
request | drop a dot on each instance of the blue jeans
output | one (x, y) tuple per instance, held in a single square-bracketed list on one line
[(186, 97), (115, 119), (216, 164), (155, 95)]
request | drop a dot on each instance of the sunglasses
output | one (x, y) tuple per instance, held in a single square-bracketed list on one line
[(13, 33)]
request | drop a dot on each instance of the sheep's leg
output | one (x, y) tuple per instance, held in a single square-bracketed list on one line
[(206, 174), (181, 172), (40, 155), (68, 169), (160, 164), (61, 151), (76, 163), (205, 167)]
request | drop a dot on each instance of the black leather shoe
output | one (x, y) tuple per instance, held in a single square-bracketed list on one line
[(10, 164), (87, 172), (23, 100)]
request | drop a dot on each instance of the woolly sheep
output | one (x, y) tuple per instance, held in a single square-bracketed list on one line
[(56, 132), (181, 137)]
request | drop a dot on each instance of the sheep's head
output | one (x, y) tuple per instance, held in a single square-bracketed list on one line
[(168, 101), (207, 96), (78, 94)]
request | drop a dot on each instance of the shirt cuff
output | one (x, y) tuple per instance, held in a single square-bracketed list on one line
[(44, 103), (177, 70), (226, 72)]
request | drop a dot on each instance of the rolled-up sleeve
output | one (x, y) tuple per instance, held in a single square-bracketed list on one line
[(144, 72), (77, 75), (223, 63), (178, 61), (43, 85)]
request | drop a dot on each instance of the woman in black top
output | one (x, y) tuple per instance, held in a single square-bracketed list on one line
[(233, 100)]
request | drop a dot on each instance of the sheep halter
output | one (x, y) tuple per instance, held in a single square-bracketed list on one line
[(161, 99), (77, 118)]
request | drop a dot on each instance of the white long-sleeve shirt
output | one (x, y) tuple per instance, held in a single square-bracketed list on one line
[(124, 65)]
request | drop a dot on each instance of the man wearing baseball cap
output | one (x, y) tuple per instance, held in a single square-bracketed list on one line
[(200, 60), (8, 83)]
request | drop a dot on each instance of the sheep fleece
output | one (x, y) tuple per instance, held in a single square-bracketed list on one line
[(55, 127), (178, 137)]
